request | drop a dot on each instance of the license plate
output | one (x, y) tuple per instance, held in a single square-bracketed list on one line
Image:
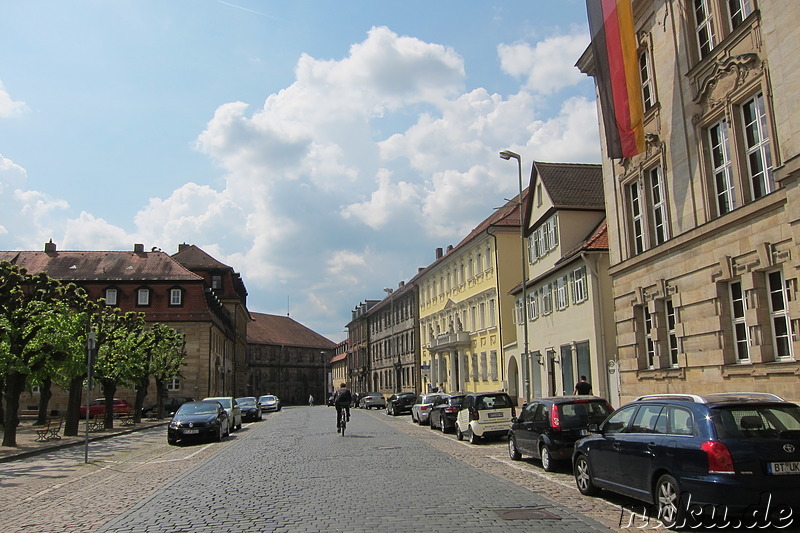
[(191, 431), (495, 415), (784, 468)]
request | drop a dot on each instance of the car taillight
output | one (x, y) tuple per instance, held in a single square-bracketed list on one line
[(555, 423), (451, 409), (424, 407), (719, 458), (474, 414)]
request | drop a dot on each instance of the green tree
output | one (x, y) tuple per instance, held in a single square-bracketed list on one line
[(165, 351), (29, 309)]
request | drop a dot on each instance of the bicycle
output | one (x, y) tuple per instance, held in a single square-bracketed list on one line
[(342, 420)]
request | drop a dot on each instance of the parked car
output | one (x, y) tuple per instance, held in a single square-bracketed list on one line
[(97, 407), (250, 408), (400, 403), (372, 399), (198, 420), (422, 409), (484, 415), (269, 402), (685, 452), (170, 406), (231, 406), (443, 415), (547, 428)]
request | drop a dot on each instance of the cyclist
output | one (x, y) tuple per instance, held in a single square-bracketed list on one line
[(341, 400)]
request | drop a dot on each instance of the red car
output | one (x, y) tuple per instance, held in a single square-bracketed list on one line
[(98, 407)]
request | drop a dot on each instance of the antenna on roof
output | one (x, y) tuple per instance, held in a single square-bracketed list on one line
[(287, 306)]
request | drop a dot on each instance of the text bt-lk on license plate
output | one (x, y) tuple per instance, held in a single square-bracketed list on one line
[(496, 415), (787, 467)]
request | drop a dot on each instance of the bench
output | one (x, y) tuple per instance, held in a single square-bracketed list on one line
[(126, 418), (97, 423), (49, 431)]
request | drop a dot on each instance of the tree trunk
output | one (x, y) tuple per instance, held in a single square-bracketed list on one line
[(72, 422), (45, 393), (141, 393), (109, 390), (2, 407), (15, 383), (160, 398)]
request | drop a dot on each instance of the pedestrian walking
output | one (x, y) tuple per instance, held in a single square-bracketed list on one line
[(310, 400)]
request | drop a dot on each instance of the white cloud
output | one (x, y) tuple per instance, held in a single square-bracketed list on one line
[(387, 201), (8, 107), (547, 66)]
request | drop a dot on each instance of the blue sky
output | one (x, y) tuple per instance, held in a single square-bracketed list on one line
[(321, 149)]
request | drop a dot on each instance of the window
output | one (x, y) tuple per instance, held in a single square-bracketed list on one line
[(648, 337), (492, 312), (111, 297), (547, 299), (474, 367), (659, 206), (637, 218), (482, 315), (533, 305), (740, 331), (648, 94), (493, 363), (649, 419), (561, 293), (704, 27), (143, 297), (756, 140), (579, 289), (175, 297), (779, 315), (519, 311), (672, 337), (738, 11), (174, 384), (721, 168), (216, 281)]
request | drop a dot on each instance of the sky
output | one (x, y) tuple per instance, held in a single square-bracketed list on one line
[(322, 149)]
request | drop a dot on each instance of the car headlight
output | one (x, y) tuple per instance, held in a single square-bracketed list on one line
[(173, 424)]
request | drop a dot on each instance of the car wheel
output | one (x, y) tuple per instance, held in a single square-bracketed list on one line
[(513, 452), (459, 435), (668, 502), (240, 425), (220, 434), (548, 465), (473, 438), (443, 425), (583, 477)]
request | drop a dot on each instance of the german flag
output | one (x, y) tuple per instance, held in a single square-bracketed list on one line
[(617, 75)]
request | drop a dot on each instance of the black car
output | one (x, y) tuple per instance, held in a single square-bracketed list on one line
[(400, 403), (547, 428), (736, 455), (198, 420), (444, 411), (251, 410), (170, 406)]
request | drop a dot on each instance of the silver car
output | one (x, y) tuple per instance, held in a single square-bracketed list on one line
[(232, 408), (421, 411), (372, 399)]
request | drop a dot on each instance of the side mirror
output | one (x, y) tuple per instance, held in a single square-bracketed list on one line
[(593, 428), (514, 420)]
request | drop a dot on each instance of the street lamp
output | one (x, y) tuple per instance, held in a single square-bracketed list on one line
[(508, 154)]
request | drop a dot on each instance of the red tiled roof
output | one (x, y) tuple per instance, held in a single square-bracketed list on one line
[(112, 266), (195, 258), (283, 330), (340, 357)]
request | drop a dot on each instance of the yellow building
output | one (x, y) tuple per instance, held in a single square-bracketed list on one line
[(463, 302)]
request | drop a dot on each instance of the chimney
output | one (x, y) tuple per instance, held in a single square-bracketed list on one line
[(138, 248), (439, 253), (182, 247), (449, 248), (401, 284), (50, 247)]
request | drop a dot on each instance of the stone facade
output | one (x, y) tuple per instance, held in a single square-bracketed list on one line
[(703, 238)]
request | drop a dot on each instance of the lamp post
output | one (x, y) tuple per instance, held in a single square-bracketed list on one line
[(508, 154)]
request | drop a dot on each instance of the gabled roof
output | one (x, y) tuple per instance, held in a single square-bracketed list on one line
[(109, 266), (195, 258), (571, 185), (284, 331)]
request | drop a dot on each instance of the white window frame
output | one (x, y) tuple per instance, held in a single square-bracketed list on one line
[(722, 167), (658, 202), (672, 337), (780, 321), (533, 305), (112, 297), (562, 301), (547, 299), (704, 28), (755, 135), (580, 292), (637, 218), (143, 297), (174, 384), (738, 10), (175, 297), (650, 346), (646, 77), (741, 332)]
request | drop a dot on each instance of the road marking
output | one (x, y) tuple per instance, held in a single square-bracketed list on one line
[(204, 448)]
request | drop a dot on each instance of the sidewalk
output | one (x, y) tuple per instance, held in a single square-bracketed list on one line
[(27, 445)]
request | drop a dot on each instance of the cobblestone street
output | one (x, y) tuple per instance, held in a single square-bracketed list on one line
[(293, 472)]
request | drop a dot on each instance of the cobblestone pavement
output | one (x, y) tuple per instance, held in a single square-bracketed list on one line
[(293, 472)]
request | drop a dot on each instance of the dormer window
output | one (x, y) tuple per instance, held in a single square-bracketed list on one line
[(216, 281), (175, 297)]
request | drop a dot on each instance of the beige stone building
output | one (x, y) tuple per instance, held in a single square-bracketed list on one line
[(704, 225)]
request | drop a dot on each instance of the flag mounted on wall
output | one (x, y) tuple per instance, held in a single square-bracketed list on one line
[(617, 75)]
